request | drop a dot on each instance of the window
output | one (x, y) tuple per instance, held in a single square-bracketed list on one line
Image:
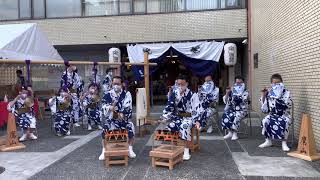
[(125, 6), (25, 9), (232, 3), (38, 9), (9, 9), (202, 4), (155, 6), (101, 7), (63, 8), (229, 3), (35, 9), (139, 6)]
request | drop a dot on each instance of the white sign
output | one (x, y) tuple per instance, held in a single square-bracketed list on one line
[(141, 106)]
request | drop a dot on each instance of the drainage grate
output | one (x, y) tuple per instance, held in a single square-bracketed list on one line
[(2, 169)]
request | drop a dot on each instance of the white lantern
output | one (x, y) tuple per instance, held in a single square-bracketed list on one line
[(230, 54), (114, 55)]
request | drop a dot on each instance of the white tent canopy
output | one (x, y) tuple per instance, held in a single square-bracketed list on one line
[(25, 42)]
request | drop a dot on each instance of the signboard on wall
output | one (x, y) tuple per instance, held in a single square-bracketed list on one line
[(255, 60)]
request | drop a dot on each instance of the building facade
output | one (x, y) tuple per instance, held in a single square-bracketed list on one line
[(285, 40), (86, 29), (75, 22)]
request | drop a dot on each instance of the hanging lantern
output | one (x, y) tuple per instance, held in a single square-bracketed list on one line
[(230, 54), (114, 55)]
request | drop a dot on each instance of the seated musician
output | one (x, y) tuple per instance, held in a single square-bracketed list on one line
[(61, 108), (183, 112), (71, 79), (91, 102), (107, 82), (94, 78), (117, 109), (20, 83), (276, 101), (237, 101), (23, 108), (209, 98)]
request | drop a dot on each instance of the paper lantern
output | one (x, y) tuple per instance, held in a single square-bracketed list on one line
[(114, 55), (230, 54)]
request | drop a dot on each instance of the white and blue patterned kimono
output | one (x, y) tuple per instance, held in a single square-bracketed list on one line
[(80, 92), (209, 98), (178, 105), (236, 109), (123, 104), (92, 110), (62, 117), (95, 80), (107, 83), (25, 120), (73, 83), (275, 124)]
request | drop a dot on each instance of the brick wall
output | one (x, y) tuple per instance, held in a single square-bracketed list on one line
[(145, 28), (286, 35)]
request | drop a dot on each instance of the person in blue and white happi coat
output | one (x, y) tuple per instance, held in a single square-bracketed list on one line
[(237, 102), (61, 108), (72, 81), (107, 82), (277, 102), (117, 109), (183, 112), (209, 98), (94, 78), (23, 110), (91, 103)]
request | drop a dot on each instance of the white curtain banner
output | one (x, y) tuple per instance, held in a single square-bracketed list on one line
[(198, 50)]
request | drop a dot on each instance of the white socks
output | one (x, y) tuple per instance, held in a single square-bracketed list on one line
[(76, 124), (101, 157), (23, 137), (210, 130), (234, 136), (32, 136), (285, 146), (267, 143), (229, 135), (131, 153), (186, 154)]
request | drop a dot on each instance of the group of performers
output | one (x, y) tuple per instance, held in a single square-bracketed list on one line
[(187, 109), (184, 110), (111, 112)]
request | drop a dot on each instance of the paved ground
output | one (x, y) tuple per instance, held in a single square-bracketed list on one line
[(76, 157)]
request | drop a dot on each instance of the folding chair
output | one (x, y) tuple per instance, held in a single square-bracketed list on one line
[(246, 120), (52, 117), (292, 124)]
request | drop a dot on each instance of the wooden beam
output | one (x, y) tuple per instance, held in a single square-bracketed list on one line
[(147, 80), (9, 61)]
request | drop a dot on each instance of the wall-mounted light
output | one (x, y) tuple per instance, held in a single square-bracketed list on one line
[(245, 41)]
